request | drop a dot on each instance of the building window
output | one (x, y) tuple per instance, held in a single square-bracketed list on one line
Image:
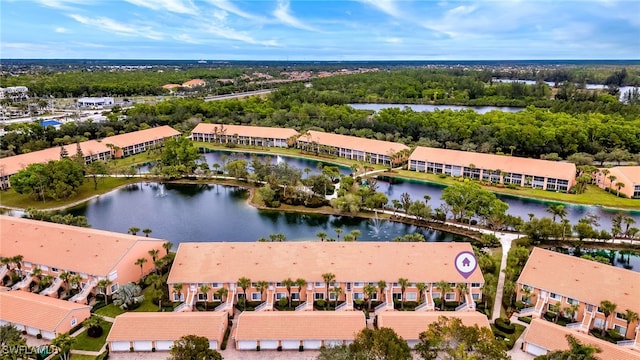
[(74, 321), (333, 284), (217, 297), (475, 297), (358, 296), (436, 295), (332, 296), (202, 297), (295, 296), (476, 285), (450, 296), (256, 296), (572, 301), (358, 284), (412, 296), (216, 285), (621, 316), (114, 288), (278, 284), (53, 269), (397, 296), (374, 296), (555, 296), (620, 329), (318, 296), (318, 284)]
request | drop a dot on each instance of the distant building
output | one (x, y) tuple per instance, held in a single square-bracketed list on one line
[(534, 173), (628, 176), (95, 102), (14, 93), (171, 87), (55, 124), (139, 141), (244, 135), (193, 83)]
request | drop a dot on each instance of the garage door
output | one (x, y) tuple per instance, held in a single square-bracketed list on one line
[(247, 344), (268, 344), (412, 343), (535, 349), (19, 327), (290, 344), (49, 335), (213, 344), (32, 331), (312, 344), (142, 345), (332, 343), (119, 346), (163, 345)]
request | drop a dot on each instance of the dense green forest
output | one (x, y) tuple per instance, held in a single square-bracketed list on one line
[(533, 132)]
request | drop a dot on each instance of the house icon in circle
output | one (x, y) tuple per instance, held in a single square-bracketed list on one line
[(466, 262)]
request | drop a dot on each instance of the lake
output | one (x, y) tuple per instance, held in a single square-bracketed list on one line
[(431, 108)]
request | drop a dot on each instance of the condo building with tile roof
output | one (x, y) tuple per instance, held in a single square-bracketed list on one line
[(139, 141), (354, 264), (550, 278), (92, 150), (149, 331), (542, 337), (194, 83), (243, 135), (628, 176), (502, 169), (40, 315), (291, 330), (93, 254), (352, 147)]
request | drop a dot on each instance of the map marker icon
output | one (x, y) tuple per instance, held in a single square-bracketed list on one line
[(466, 263)]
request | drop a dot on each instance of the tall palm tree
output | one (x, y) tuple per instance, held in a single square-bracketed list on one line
[(261, 286), (64, 342), (147, 231), (444, 288), (288, 283), (65, 276), (396, 206), (45, 281), (244, 283), (140, 262), (607, 308), (557, 210), (300, 283), (422, 287), (382, 285), (462, 290), (404, 283), (612, 178), (628, 221), (321, 235), (154, 254), (369, 291), (355, 234), (205, 290), (75, 281), (222, 294), (328, 279), (337, 290), (167, 246), (18, 261), (571, 310), (338, 232), (133, 230), (577, 350), (37, 273), (104, 285), (177, 289), (631, 317), (619, 186), (555, 309)]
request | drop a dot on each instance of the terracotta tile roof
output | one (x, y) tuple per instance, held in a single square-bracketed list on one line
[(72, 248), (39, 311), (253, 131), (170, 86), (349, 261), (194, 82), (410, 324), (512, 164), (13, 164), (167, 325), (300, 325), (353, 142), (628, 175), (553, 337), (141, 136), (581, 279)]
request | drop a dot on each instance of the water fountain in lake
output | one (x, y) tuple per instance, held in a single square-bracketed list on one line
[(279, 159), (161, 191), (376, 224)]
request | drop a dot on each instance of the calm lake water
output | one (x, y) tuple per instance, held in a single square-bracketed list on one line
[(431, 108)]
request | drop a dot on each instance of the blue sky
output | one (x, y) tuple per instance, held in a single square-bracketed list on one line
[(320, 30)]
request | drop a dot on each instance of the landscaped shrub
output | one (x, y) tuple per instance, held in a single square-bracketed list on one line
[(153, 349), (227, 332), (505, 326), (95, 331), (283, 302), (321, 303), (131, 349), (39, 336), (615, 336), (525, 319)]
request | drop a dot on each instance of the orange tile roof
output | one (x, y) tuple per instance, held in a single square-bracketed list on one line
[(410, 324), (553, 337), (628, 175), (300, 325), (194, 82), (72, 248), (39, 311), (581, 279), (349, 261), (141, 136), (253, 131), (167, 325), (170, 86), (353, 142), (13, 164), (512, 164)]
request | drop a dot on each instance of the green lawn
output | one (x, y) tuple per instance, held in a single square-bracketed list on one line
[(82, 357), (136, 159), (113, 311), (110, 311), (84, 342)]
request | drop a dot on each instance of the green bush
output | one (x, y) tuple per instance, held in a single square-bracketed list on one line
[(321, 303), (283, 302), (153, 349), (279, 348), (525, 319), (131, 349), (39, 336), (505, 326), (615, 336), (225, 339)]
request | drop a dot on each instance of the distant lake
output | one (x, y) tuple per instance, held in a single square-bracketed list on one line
[(432, 108)]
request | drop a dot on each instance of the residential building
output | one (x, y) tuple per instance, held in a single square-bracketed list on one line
[(171, 87), (627, 176), (157, 331), (95, 102), (354, 264), (502, 169), (292, 330), (193, 83), (542, 337), (15, 93), (352, 147), (243, 135), (139, 141), (551, 279), (92, 254), (409, 325), (40, 315), (92, 150)]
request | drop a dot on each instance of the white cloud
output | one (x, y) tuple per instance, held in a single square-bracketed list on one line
[(388, 7), (186, 38), (393, 40), (283, 14), (61, 30), (176, 6), (111, 25), (61, 4), (232, 34), (229, 7), (221, 15)]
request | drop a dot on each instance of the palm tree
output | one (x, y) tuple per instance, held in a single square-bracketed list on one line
[(462, 290), (140, 262), (146, 232), (396, 206), (63, 342), (607, 308), (382, 285), (127, 296), (404, 283), (555, 309), (133, 230), (631, 317), (154, 254), (45, 282), (337, 290), (571, 310), (65, 276), (18, 261), (444, 288), (369, 291), (612, 178), (205, 290), (355, 234), (557, 210), (75, 281), (288, 283), (605, 172), (338, 232), (37, 273), (300, 283), (577, 350), (628, 221), (104, 285), (244, 283), (261, 286), (422, 287), (321, 235), (328, 279), (619, 185), (222, 294), (177, 289), (167, 246)]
